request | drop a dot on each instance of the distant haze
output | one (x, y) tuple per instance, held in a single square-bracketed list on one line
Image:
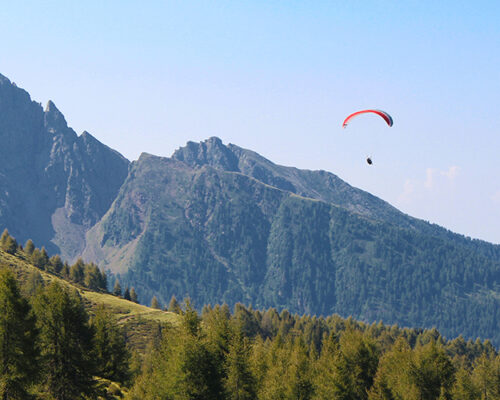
[(279, 78)]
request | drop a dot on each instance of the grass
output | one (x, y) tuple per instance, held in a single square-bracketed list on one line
[(140, 323)]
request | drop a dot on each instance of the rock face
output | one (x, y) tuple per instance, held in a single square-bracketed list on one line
[(54, 184)]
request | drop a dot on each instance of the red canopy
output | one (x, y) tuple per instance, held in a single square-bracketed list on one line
[(383, 114)]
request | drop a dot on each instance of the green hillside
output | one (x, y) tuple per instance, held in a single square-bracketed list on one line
[(139, 322)]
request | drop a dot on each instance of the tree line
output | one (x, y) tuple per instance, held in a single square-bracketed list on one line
[(88, 275), (52, 348), (252, 354)]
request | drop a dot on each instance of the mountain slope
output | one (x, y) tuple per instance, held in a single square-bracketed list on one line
[(54, 185), (200, 227), (140, 323)]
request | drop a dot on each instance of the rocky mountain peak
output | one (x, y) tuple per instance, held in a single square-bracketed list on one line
[(4, 79), (54, 119), (75, 178), (209, 152)]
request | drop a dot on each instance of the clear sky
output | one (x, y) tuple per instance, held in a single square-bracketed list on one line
[(279, 77)]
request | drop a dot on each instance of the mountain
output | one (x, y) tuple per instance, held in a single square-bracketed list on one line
[(54, 184), (220, 223)]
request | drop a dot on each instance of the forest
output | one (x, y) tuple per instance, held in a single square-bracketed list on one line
[(54, 347)]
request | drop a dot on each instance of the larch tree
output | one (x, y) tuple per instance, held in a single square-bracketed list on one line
[(110, 350), (18, 351), (65, 342)]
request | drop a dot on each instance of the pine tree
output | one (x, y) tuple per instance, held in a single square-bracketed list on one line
[(44, 258), (325, 367), (133, 296), (155, 303), (354, 366), (8, 243), (183, 366), (486, 377), (117, 290), (36, 258), (103, 281), (273, 384), (110, 351), (299, 373), (174, 305), (92, 276), (433, 370), (77, 271), (29, 247), (464, 388), (56, 263), (4, 237), (65, 270), (219, 330), (240, 383), (65, 342), (33, 283), (18, 353)]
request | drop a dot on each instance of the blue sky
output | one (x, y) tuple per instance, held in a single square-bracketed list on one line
[(279, 77)]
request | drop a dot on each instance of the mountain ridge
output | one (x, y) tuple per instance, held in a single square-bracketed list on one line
[(74, 177)]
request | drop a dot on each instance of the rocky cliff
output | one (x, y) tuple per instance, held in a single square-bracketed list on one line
[(54, 184)]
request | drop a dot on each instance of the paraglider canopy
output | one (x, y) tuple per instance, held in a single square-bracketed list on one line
[(383, 114)]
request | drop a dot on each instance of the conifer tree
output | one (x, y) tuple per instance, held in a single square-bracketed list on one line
[(92, 277), (155, 303), (240, 382), (18, 353), (65, 270), (56, 263), (300, 374), (117, 290), (174, 305), (133, 295), (103, 281), (44, 258), (110, 351), (326, 368), (65, 342), (77, 271), (33, 283), (37, 258), (4, 237), (464, 388), (126, 295), (354, 366), (29, 247), (183, 366), (273, 384), (433, 370), (219, 330), (8, 243), (486, 376)]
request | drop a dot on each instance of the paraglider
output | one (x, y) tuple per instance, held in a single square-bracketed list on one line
[(383, 114), (387, 118)]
